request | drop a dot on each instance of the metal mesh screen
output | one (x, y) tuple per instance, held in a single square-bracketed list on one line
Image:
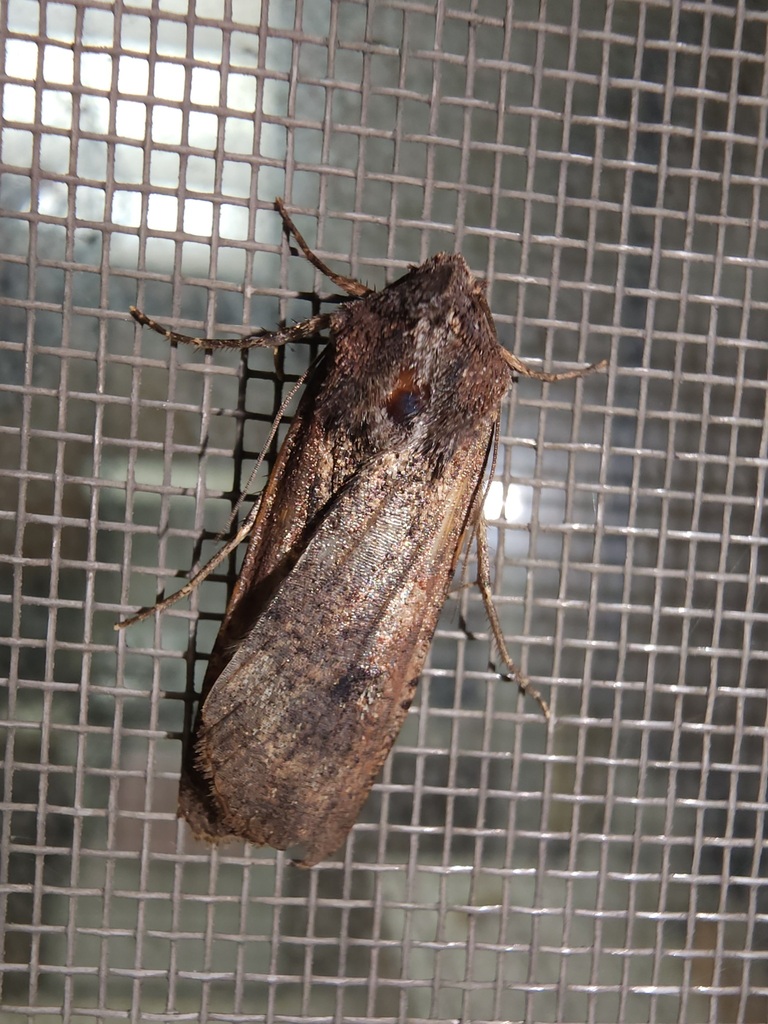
[(602, 165)]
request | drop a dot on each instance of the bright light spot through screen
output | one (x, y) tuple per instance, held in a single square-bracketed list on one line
[(510, 503)]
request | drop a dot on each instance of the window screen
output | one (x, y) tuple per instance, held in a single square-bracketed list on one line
[(602, 166)]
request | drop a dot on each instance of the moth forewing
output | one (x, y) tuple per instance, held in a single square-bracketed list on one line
[(321, 691)]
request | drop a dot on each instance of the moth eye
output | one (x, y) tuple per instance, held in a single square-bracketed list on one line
[(406, 399)]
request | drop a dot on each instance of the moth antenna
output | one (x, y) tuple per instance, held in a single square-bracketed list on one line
[(478, 504), (272, 433), (197, 579), (244, 529)]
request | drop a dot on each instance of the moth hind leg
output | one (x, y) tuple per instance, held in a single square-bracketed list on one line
[(484, 583)]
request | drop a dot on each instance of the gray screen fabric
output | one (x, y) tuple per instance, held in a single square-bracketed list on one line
[(602, 165)]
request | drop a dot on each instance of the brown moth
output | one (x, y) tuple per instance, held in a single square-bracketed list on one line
[(352, 549)]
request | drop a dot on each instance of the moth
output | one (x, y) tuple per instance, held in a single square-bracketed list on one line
[(352, 548)]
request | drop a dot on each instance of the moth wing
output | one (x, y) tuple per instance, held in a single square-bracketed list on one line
[(295, 730), (279, 527)]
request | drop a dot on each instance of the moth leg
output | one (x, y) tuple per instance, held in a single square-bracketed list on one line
[(524, 370), (348, 284), (258, 339), (484, 583), (262, 338), (242, 532)]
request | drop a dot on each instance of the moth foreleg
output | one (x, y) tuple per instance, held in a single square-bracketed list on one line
[(348, 284)]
